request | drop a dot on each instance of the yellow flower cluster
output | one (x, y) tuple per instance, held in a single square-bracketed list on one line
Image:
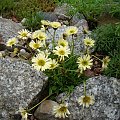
[(46, 58)]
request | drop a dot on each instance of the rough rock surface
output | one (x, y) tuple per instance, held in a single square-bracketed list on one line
[(8, 28), (62, 11), (44, 111), (107, 100), (19, 84)]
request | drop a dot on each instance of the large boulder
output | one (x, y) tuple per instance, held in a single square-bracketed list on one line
[(19, 84), (9, 29), (107, 100)]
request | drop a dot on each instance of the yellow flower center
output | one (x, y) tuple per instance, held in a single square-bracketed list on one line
[(86, 99), (72, 31), (52, 65), (61, 52), (62, 44), (41, 62), (84, 62), (41, 37), (36, 45), (24, 34), (63, 109), (88, 42)]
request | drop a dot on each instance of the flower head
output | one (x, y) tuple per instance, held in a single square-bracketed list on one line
[(105, 60), (71, 30), (63, 43), (41, 62), (12, 41), (23, 113), (55, 25), (84, 62), (53, 64), (45, 22), (15, 50), (89, 42), (40, 35), (24, 34), (61, 111), (86, 100), (35, 45), (62, 52)]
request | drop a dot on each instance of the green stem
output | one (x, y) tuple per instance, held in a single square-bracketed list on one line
[(84, 82), (53, 40), (87, 51), (72, 46), (49, 32), (39, 103), (97, 58)]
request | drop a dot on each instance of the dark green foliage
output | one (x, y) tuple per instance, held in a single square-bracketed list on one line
[(6, 5), (26, 8), (108, 42), (65, 77), (114, 66), (107, 38), (94, 9), (34, 22)]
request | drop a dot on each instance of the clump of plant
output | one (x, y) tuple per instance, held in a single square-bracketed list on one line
[(6, 6), (114, 65), (107, 38), (56, 58), (93, 9), (33, 22), (26, 8), (108, 43)]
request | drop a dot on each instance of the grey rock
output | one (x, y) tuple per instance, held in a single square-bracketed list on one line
[(44, 111), (51, 16), (107, 100), (63, 13), (9, 29), (19, 84)]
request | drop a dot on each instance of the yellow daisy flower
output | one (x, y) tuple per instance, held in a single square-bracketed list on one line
[(45, 22), (105, 60), (24, 34), (62, 42), (62, 52), (12, 42), (35, 34), (86, 100), (89, 42), (42, 36), (84, 62), (39, 35), (55, 25), (41, 62), (61, 111), (35, 45), (53, 64), (23, 113), (71, 30)]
